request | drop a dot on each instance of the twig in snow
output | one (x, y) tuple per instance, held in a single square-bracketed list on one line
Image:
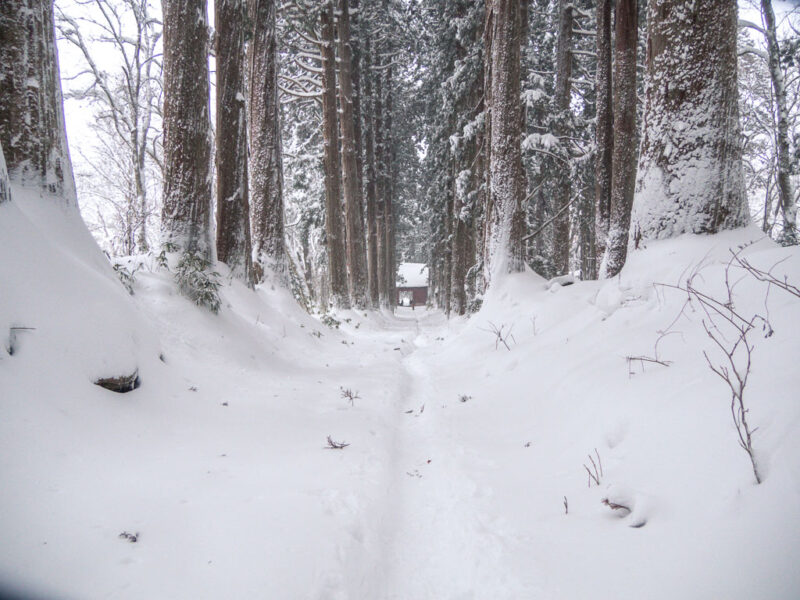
[(502, 335), (596, 472), (332, 445), (614, 505)]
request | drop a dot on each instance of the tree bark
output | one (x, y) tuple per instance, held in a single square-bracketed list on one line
[(604, 135), (372, 225), (266, 177), (32, 130), (504, 218), (233, 208), (689, 182), (334, 226), (186, 213), (623, 177), (388, 211), (562, 99), (380, 189), (785, 191), (354, 223)]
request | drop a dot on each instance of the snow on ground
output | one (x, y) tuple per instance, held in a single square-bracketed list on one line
[(460, 455)]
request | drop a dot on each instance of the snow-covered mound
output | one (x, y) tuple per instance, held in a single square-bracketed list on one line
[(471, 465)]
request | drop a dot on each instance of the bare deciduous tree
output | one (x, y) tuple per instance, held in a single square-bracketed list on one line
[(126, 101)]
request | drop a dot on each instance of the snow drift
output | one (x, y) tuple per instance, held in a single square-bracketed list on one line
[(472, 471)]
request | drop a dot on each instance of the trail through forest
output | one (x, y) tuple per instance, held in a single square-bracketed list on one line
[(432, 532)]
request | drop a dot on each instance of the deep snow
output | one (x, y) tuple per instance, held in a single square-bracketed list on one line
[(460, 453)]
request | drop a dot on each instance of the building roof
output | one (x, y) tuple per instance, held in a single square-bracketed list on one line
[(412, 275)]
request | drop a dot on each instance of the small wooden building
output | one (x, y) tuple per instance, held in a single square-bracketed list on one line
[(412, 284)]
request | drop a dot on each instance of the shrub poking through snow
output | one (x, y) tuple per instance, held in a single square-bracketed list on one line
[(197, 282), (502, 335), (350, 395), (729, 331), (162, 258), (329, 321), (126, 276)]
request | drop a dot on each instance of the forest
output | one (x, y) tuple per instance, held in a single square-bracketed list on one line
[(399, 299)]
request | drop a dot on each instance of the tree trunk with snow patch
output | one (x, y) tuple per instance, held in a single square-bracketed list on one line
[(604, 135), (504, 217), (186, 213), (266, 177), (334, 225), (351, 183), (785, 191), (623, 178), (562, 99), (32, 130), (233, 208), (690, 166)]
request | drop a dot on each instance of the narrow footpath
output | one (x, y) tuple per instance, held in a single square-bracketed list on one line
[(431, 532)]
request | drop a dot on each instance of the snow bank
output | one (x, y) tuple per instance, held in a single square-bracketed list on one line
[(694, 525), (470, 467)]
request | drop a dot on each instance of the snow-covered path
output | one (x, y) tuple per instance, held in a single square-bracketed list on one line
[(429, 534)]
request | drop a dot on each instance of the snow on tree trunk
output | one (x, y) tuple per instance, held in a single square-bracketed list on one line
[(233, 209), (32, 130), (5, 182), (380, 188), (690, 164), (785, 192), (351, 185), (388, 206), (358, 115), (334, 226), (562, 99), (604, 134), (186, 213), (372, 224), (623, 178), (266, 177), (504, 217)]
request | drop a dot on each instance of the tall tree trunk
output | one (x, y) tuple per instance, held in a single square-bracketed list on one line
[(624, 157), (32, 130), (354, 222), (785, 191), (562, 99), (604, 135), (388, 211), (504, 218), (233, 208), (372, 224), (186, 213), (358, 114), (334, 226), (266, 177), (380, 180), (689, 182)]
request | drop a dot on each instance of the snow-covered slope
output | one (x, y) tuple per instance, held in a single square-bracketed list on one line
[(461, 453)]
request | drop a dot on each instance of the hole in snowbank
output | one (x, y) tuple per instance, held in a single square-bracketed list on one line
[(121, 384)]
